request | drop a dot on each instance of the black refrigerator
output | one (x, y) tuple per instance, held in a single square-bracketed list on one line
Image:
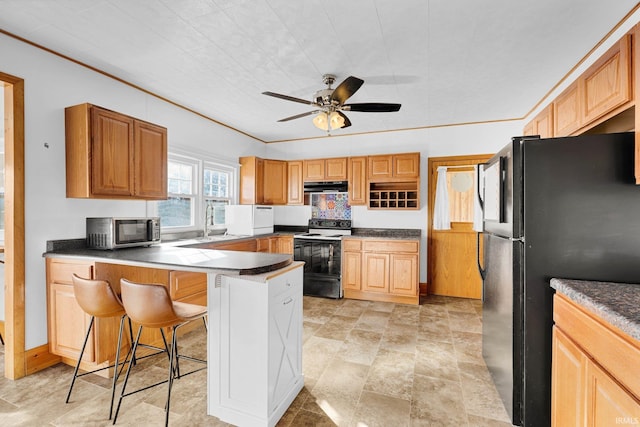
[(558, 207)]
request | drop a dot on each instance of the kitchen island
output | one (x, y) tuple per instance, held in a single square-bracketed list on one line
[(254, 339)]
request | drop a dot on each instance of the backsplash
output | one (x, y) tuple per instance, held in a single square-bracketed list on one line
[(330, 206)]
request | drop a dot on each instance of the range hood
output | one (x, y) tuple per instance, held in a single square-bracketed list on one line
[(326, 186)]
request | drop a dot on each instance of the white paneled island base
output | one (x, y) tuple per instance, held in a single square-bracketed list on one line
[(254, 345)]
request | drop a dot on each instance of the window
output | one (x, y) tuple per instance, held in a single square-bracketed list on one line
[(217, 193), (198, 192), (179, 210)]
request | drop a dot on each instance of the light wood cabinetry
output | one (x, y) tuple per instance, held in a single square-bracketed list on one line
[(111, 155), (566, 112), (333, 169), (381, 270), (284, 245), (394, 181), (387, 166), (275, 182), (595, 379), (263, 181), (542, 124), (295, 192), (251, 180), (357, 181)]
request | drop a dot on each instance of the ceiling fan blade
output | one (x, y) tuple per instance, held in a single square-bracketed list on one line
[(347, 122), (372, 107), (345, 89), (297, 116), (288, 98)]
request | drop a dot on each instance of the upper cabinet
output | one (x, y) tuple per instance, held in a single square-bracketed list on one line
[(263, 181), (334, 169), (542, 124), (275, 182), (111, 155), (295, 192), (251, 180), (392, 166), (358, 181)]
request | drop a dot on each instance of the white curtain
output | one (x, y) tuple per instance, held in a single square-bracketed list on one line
[(441, 219), (477, 209)]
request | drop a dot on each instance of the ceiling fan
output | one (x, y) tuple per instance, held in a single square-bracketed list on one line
[(330, 104)]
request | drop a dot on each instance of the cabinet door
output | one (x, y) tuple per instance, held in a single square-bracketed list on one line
[(251, 180), (335, 169), (375, 272), (284, 245), (568, 376), (275, 182), (150, 160), (352, 270), (566, 112), (608, 404), (68, 324), (112, 153), (285, 345), (295, 194), (357, 181), (607, 83), (403, 277), (406, 165), (542, 124), (184, 284), (380, 167), (313, 170), (263, 244)]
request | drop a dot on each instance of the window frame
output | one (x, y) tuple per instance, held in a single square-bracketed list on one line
[(200, 162)]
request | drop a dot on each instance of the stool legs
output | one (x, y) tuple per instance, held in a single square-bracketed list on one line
[(116, 366)]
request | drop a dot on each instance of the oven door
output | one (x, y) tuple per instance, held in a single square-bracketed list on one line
[(322, 266)]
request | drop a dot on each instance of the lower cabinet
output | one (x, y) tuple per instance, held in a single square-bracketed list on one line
[(255, 360), (594, 379), (381, 270)]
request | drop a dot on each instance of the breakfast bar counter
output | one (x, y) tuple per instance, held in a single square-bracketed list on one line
[(254, 339)]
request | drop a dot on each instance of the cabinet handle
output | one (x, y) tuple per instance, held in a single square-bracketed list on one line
[(288, 284), (288, 301)]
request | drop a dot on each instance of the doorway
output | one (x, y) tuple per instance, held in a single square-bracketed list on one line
[(452, 252), (14, 272)]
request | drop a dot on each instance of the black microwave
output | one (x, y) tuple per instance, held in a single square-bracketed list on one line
[(115, 233)]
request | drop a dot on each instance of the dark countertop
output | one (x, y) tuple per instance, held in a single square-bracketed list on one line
[(616, 303), (387, 233), (179, 258)]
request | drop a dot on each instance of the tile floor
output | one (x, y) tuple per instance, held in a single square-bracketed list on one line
[(365, 364)]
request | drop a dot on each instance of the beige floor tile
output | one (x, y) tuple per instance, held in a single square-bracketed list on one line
[(365, 364)]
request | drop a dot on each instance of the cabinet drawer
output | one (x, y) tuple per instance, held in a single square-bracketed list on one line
[(617, 353), (391, 245), (186, 283), (278, 284), (61, 272), (351, 245)]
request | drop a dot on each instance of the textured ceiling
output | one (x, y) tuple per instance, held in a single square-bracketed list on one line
[(445, 61)]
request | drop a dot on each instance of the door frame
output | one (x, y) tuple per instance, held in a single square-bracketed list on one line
[(433, 163), (14, 273)]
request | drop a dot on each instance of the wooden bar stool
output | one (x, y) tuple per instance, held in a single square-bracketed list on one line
[(150, 306), (98, 299)]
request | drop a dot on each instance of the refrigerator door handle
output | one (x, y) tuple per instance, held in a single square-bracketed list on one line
[(481, 270), (516, 239)]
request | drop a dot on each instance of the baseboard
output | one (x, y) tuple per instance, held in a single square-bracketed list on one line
[(423, 289), (39, 358)]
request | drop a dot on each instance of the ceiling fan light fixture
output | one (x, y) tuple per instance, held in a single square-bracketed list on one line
[(336, 120), (321, 121)]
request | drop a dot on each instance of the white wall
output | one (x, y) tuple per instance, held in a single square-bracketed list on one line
[(434, 142), (51, 84)]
